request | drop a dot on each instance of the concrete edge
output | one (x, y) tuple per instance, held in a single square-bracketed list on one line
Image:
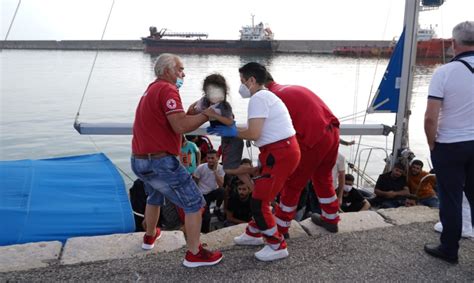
[(84, 249)]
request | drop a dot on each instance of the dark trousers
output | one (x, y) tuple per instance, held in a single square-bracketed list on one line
[(216, 195), (454, 167)]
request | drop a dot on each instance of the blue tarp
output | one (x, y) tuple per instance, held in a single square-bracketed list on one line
[(59, 198)]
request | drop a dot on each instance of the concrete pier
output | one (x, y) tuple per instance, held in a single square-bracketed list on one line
[(371, 246), (278, 46)]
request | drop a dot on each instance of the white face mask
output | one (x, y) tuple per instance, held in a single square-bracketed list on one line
[(244, 91), (347, 188), (215, 94)]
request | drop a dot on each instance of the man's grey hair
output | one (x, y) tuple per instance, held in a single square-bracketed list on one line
[(165, 61), (463, 33)]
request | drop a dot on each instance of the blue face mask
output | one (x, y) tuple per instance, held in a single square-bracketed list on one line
[(179, 82)]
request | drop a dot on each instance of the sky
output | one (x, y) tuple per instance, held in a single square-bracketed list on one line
[(292, 20)]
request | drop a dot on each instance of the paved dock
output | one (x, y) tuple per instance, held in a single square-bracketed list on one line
[(385, 245)]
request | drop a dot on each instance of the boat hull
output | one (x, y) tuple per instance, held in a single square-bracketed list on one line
[(433, 48), (156, 46)]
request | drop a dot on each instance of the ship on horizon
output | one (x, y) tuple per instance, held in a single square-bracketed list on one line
[(253, 39), (428, 46)]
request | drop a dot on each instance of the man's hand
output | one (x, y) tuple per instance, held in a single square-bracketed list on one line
[(223, 131), (210, 112), (391, 194)]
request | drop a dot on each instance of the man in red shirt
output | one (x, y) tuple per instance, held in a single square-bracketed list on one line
[(160, 121), (317, 132)]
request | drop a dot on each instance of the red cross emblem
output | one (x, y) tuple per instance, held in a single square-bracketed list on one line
[(171, 103)]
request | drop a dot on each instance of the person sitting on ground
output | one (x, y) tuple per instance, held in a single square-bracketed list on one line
[(190, 155), (203, 142), (209, 177), (391, 188), (238, 209), (424, 191), (352, 199)]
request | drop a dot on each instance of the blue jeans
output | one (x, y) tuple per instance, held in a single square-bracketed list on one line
[(166, 177), (431, 202), (454, 168)]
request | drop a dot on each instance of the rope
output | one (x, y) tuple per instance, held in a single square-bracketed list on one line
[(13, 19), (93, 63), (118, 168)]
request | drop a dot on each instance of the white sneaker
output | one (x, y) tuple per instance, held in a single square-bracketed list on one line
[(466, 233), (247, 240), (269, 254)]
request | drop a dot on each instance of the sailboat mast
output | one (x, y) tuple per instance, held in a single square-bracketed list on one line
[(400, 140)]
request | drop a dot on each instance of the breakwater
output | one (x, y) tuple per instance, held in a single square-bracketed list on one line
[(278, 46)]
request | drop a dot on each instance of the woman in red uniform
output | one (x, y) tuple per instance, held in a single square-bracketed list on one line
[(269, 125)]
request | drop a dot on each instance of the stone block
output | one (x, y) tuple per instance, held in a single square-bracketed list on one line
[(296, 231), (29, 256), (350, 222), (407, 215), (89, 249), (225, 237), (222, 237)]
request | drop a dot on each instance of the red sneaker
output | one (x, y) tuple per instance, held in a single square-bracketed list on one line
[(202, 258), (149, 241)]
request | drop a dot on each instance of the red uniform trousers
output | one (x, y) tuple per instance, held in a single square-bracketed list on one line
[(316, 164), (278, 161)]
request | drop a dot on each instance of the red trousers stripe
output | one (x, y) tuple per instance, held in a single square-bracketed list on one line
[(278, 161), (316, 164)]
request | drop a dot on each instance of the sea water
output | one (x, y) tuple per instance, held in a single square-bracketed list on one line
[(41, 92)]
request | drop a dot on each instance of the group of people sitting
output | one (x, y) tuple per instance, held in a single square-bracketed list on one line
[(397, 188), (228, 197)]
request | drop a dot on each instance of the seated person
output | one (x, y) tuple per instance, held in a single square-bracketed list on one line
[(391, 188), (238, 208), (190, 155), (230, 181), (424, 192), (209, 177), (203, 143), (352, 199)]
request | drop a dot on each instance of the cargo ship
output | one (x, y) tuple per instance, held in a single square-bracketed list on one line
[(253, 39), (428, 46)]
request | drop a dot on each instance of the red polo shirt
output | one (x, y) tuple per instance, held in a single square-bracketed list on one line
[(310, 115), (152, 132)]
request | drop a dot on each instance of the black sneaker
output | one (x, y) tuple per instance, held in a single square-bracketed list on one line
[(316, 219), (434, 250)]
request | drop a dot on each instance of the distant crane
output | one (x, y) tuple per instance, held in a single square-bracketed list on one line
[(162, 33)]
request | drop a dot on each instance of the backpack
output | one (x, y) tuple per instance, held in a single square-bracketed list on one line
[(169, 219)]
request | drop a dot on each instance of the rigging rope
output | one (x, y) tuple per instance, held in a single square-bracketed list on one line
[(13, 19), (358, 114), (87, 85), (93, 63)]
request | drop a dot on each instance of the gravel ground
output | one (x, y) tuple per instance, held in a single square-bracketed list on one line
[(387, 254)]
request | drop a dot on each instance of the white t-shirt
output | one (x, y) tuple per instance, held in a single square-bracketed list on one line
[(453, 83), (277, 125), (338, 167), (207, 180)]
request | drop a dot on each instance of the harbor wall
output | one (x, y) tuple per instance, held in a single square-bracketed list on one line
[(278, 46), (73, 44), (322, 46)]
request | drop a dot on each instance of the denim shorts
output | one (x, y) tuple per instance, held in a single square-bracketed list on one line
[(166, 177)]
